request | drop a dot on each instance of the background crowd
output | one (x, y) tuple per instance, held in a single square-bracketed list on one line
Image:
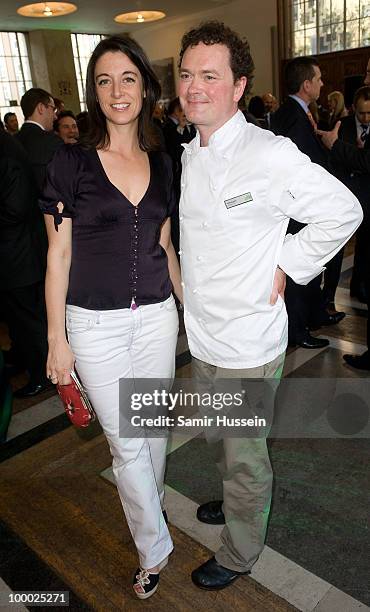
[(26, 151)]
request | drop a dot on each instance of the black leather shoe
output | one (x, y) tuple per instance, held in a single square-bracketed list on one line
[(360, 362), (213, 576), (211, 513), (329, 319), (309, 342), (333, 318), (32, 389), (313, 343)]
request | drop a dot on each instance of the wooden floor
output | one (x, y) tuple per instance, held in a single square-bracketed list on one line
[(53, 497)]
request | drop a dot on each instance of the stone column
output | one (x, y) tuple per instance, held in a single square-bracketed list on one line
[(52, 65)]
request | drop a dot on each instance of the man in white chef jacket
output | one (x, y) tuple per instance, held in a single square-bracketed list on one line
[(240, 186)]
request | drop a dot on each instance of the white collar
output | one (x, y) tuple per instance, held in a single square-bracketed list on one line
[(301, 102), (220, 141), (35, 123), (359, 124)]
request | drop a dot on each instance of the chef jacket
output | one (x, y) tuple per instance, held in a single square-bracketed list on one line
[(238, 194)]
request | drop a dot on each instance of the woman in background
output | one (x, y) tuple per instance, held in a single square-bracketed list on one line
[(336, 107)]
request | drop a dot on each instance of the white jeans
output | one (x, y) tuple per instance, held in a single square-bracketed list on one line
[(113, 344)]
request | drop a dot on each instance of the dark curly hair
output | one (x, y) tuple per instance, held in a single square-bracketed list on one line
[(216, 32)]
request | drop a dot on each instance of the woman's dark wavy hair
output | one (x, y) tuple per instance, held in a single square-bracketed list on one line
[(97, 135), (216, 32)]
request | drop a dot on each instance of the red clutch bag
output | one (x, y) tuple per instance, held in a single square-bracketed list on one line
[(76, 403)]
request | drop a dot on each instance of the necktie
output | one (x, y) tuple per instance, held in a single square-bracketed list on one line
[(364, 128), (312, 120)]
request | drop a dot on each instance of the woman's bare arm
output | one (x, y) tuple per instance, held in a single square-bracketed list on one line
[(60, 358)]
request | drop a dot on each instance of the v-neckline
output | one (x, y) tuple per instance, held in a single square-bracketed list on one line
[(107, 179)]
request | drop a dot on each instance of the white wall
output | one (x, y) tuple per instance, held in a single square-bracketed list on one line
[(250, 18)]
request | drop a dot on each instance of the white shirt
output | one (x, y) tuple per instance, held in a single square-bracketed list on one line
[(359, 128), (230, 250), (301, 102)]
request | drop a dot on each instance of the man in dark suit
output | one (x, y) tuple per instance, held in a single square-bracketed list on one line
[(293, 119), (176, 131), (176, 118), (356, 159), (39, 142), (36, 134), (21, 269), (355, 130), (271, 105)]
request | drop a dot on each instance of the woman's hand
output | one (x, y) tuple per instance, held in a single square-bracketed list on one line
[(60, 362)]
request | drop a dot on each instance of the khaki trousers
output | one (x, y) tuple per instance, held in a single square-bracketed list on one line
[(246, 473)]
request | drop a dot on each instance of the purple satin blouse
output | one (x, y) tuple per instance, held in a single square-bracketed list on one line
[(117, 260)]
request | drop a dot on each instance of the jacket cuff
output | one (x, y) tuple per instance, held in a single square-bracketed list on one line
[(292, 260)]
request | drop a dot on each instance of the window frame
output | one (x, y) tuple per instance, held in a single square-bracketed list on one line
[(16, 85), (77, 57), (343, 46)]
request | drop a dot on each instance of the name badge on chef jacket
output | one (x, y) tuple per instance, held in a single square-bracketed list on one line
[(238, 200)]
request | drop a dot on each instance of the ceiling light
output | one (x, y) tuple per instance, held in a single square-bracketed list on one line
[(47, 9), (139, 17)]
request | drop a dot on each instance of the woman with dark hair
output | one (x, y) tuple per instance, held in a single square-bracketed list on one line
[(111, 270)]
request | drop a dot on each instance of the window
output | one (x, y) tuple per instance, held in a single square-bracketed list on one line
[(15, 74), (83, 45), (323, 26)]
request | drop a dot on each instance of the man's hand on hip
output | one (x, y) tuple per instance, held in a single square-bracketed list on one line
[(278, 286)]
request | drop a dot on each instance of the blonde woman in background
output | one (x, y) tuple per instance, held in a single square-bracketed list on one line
[(336, 107)]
